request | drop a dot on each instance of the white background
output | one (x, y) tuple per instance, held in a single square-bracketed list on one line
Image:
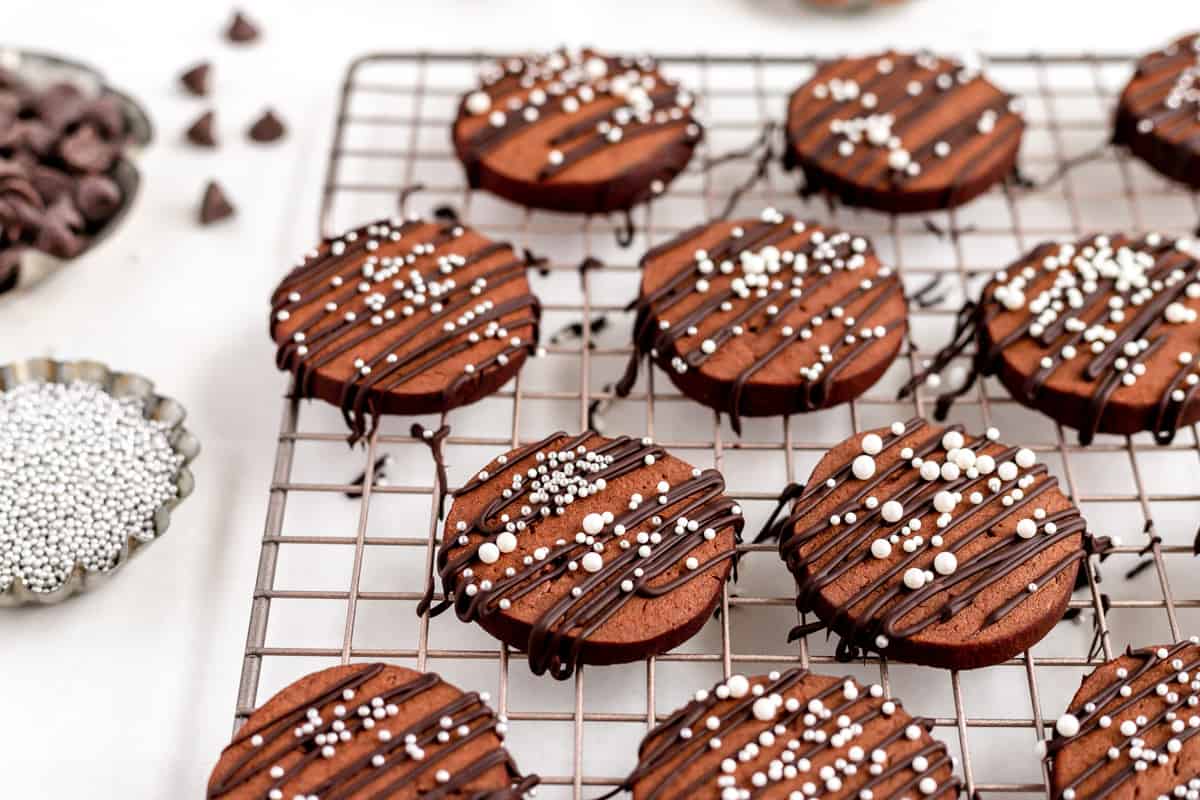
[(129, 692)]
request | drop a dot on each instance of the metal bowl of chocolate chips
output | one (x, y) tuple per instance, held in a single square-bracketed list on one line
[(67, 177)]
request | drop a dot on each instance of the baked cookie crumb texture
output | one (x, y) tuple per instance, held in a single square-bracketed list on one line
[(902, 132), (575, 131), (1158, 116), (370, 730), (792, 734), (932, 546), (404, 317), (584, 549), (1132, 730), (767, 316)]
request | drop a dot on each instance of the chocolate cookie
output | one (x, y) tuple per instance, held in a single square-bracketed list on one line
[(901, 132), (404, 317), (1132, 730), (575, 130), (370, 730), (1158, 116), (767, 316), (588, 550), (1100, 334), (932, 547), (795, 734)]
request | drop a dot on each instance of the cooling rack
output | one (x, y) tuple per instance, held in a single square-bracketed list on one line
[(343, 562)]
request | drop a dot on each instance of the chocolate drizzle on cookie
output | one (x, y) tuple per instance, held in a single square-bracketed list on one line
[(1085, 331), (756, 284), (399, 300), (897, 124), (1146, 708), (643, 549), (1158, 116), (915, 527), (293, 744), (814, 734), (576, 106)]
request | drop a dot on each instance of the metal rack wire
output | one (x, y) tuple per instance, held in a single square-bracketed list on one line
[(392, 131)]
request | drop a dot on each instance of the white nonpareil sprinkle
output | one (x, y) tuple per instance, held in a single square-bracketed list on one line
[(80, 473)]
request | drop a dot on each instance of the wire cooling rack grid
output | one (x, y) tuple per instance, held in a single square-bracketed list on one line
[(339, 577)]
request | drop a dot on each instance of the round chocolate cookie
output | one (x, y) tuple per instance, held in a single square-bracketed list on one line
[(370, 730), (901, 133), (933, 547), (1132, 730), (768, 316), (575, 130), (795, 734), (404, 317), (588, 550), (1100, 334), (1158, 116)]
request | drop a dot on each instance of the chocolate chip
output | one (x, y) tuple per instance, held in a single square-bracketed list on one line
[(57, 235), (267, 128), (86, 151), (98, 197), (241, 29), (107, 113), (195, 79), (21, 208), (214, 206), (201, 132), (30, 135), (50, 182), (61, 105)]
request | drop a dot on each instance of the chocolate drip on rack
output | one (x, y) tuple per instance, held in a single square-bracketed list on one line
[(404, 312), (821, 552), (820, 257), (814, 703), (626, 571), (434, 439), (1116, 323), (296, 736), (1148, 739)]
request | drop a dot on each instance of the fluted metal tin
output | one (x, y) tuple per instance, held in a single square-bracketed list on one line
[(154, 406)]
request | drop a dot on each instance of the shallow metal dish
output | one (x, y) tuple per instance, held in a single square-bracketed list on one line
[(154, 406), (43, 69)]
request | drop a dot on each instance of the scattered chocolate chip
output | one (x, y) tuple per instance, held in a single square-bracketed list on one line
[(98, 197), (267, 128), (241, 29), (215, 206), (86, 151), (195, 79), (201, 131)]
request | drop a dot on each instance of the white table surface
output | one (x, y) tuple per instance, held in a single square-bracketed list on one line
[(129, 692)]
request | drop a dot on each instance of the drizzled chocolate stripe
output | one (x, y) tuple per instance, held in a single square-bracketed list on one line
[(764, 311), (293, 744), (1143, 745), (402, 296), (670, 525), (826, 545), (814, 726), (1142, 331)]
